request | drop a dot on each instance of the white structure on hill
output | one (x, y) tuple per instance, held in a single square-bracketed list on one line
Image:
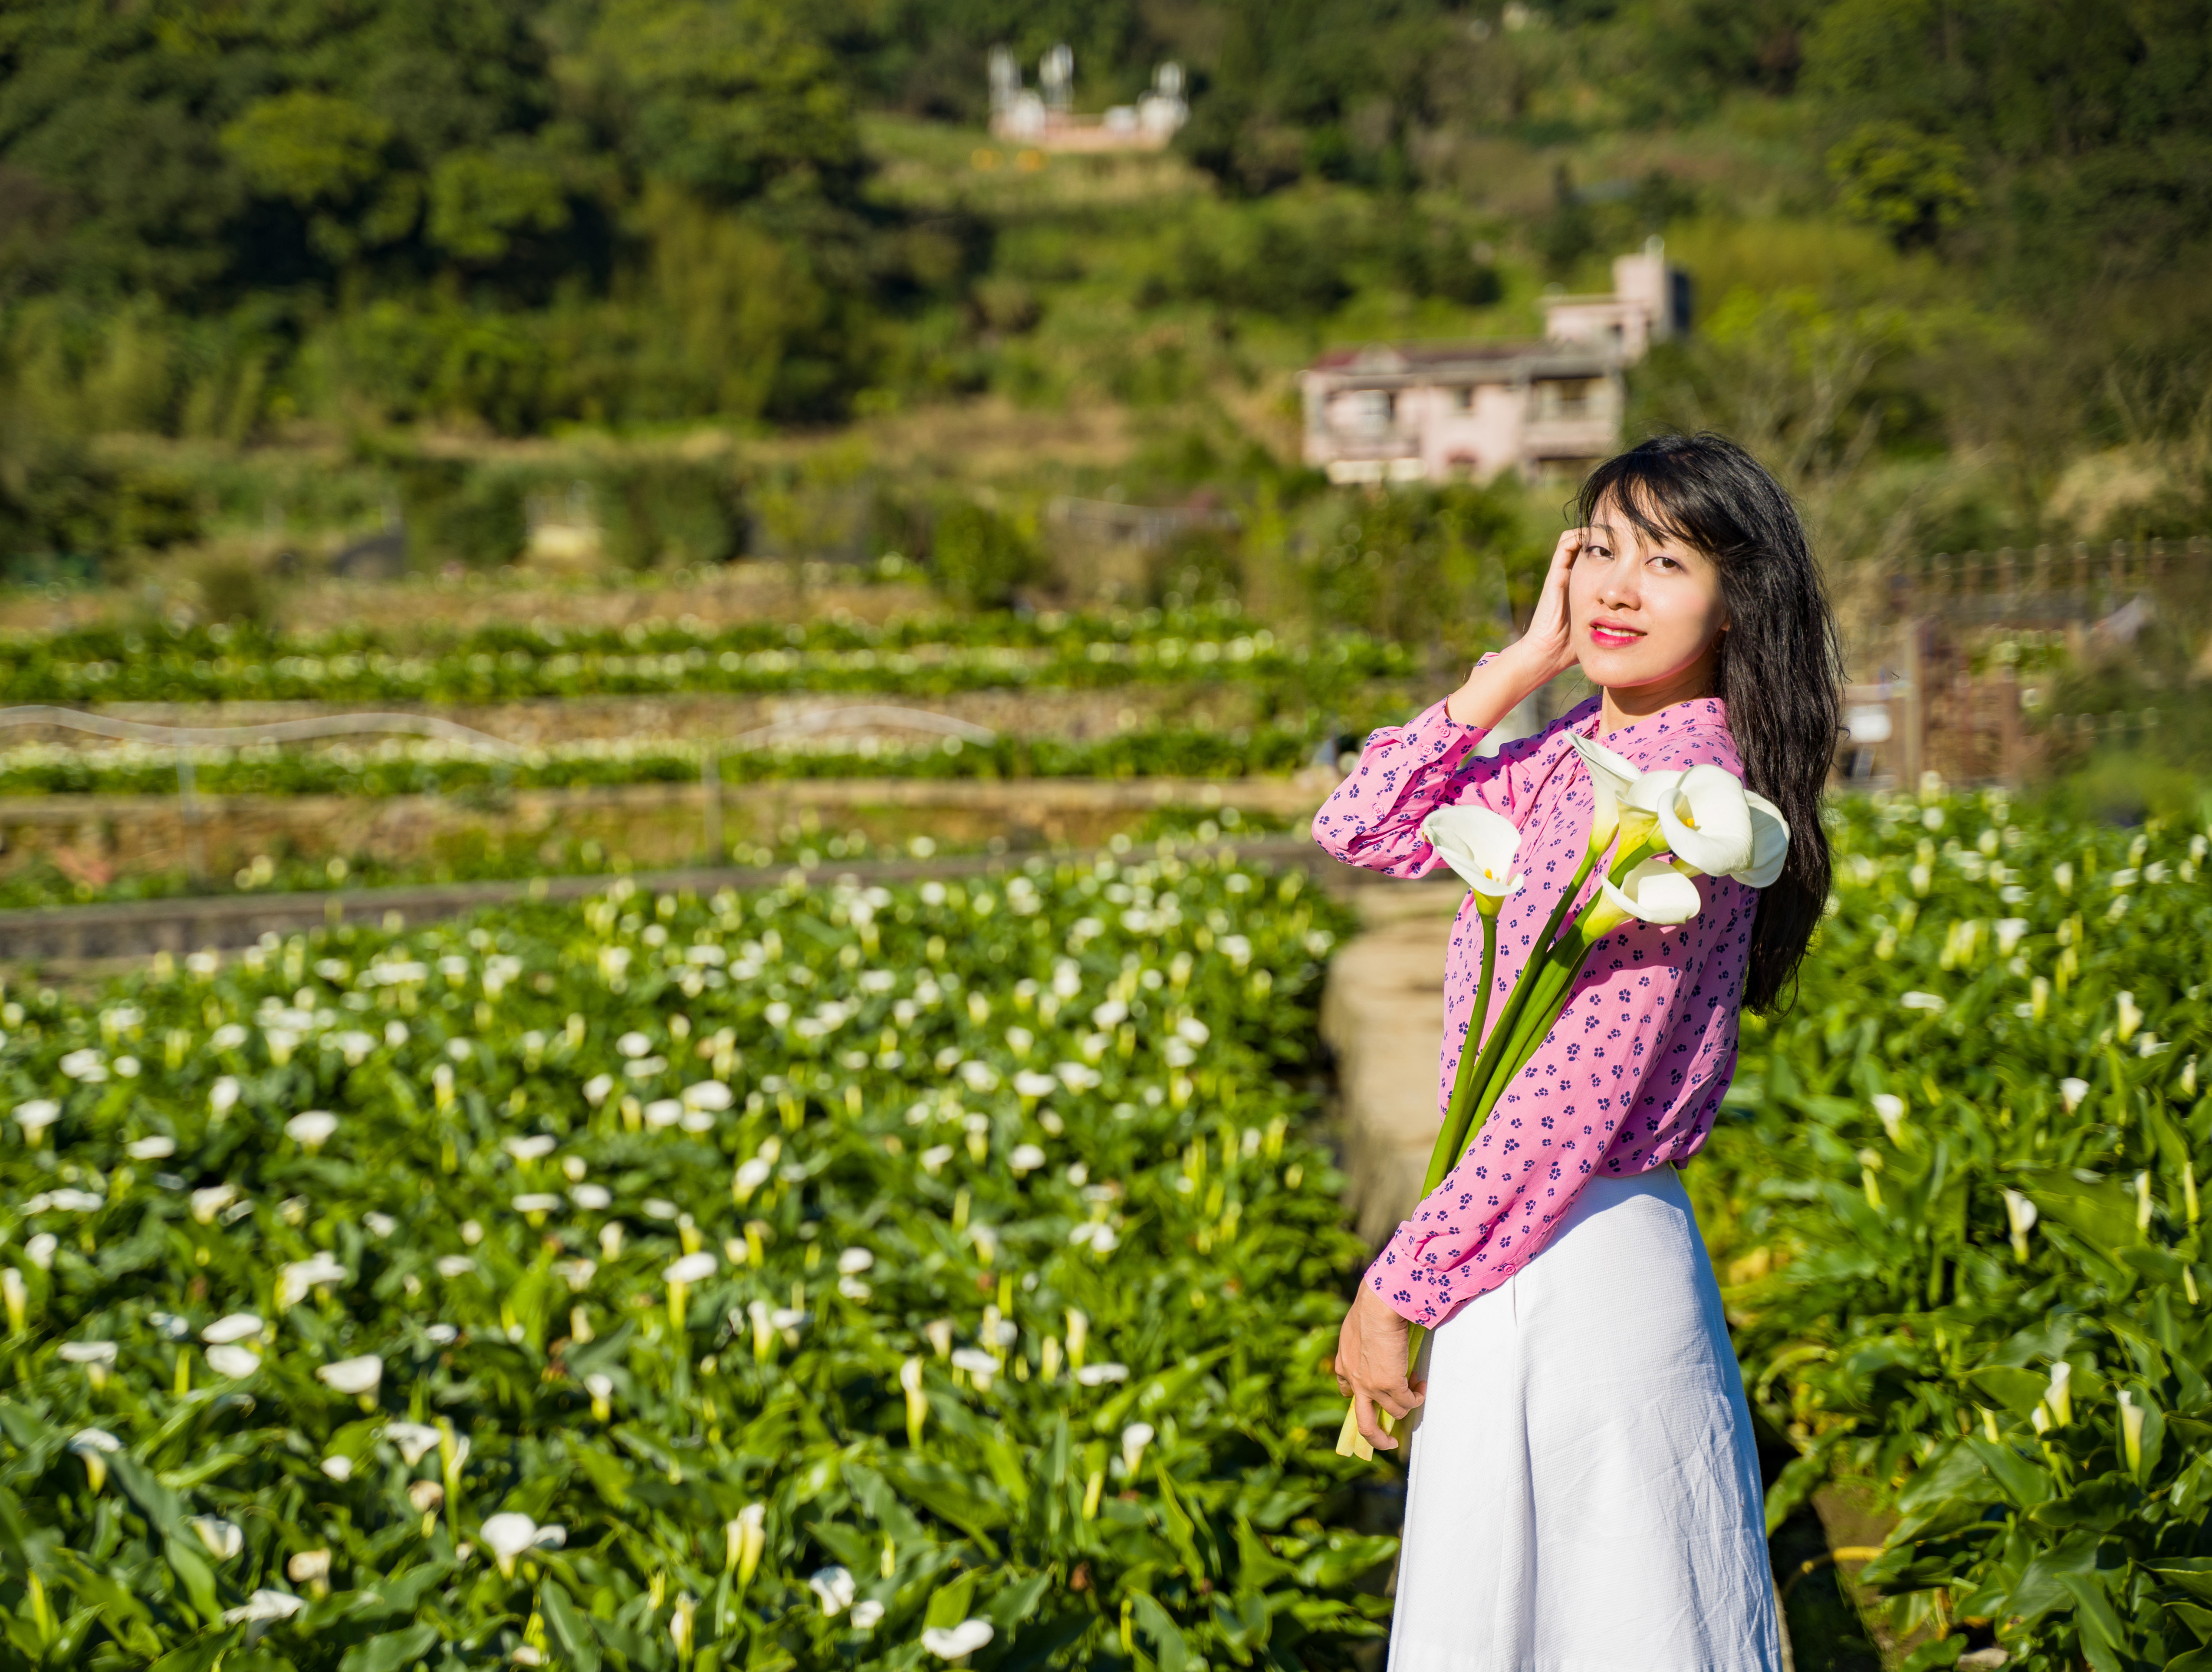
[(1045, 119)]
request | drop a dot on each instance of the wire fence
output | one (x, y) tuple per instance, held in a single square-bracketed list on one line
[(183, 740)]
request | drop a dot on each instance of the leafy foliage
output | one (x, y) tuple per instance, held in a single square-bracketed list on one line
[(919, 656), (1004, 1283), (980, 557), (1957, 1215)]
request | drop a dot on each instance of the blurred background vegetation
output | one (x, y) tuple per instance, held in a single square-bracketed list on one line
[(387, 286)]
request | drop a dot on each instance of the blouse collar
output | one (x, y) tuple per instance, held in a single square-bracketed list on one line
[(1641, 739)]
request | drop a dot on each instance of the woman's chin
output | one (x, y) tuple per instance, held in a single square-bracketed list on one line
[(1618, 667), (1631, 667)]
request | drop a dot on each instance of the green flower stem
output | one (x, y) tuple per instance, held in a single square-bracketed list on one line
[(1451, 1136)]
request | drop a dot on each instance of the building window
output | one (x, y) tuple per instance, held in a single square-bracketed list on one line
[(1462, 398), (1368, 412), (1569, 397)]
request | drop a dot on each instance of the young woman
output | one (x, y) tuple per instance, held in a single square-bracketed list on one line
[(1583, 1492)]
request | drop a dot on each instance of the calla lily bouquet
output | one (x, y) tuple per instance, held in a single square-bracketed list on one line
[(1664, 830)]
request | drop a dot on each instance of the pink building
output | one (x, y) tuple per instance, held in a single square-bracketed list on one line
[(1649, 303), (1437, 412)]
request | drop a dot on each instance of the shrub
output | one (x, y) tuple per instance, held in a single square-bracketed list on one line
[(979, 557), (456, 511), (673, 511), (234, 589)]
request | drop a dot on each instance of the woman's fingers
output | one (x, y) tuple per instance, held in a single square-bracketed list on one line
[(1370, 1402), (1362, 1411), (1563, 558), (1398, 1399)]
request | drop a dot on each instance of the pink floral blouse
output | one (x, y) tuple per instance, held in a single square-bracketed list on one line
[(1632, 1075)]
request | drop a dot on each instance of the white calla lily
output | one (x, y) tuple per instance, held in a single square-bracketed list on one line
[(93, 1447), (311, 1128), (691, 1268), (507, 1535), (302, 1277), (235, 1362), (1653, 893), (952, 1642), (262, 1607), (1706, 821), (1611, 778), (835, 1587), (224, 1539), (1770, 842), (416, 1440), (1478, 844), (353, 1376)]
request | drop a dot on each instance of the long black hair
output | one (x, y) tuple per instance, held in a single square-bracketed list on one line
[(1780, 664)]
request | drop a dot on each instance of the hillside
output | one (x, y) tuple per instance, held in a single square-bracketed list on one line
[(259, 258)]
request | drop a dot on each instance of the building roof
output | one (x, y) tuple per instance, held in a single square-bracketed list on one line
[(1472, 358)]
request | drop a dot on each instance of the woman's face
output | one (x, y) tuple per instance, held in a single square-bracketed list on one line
[(1644, 612)]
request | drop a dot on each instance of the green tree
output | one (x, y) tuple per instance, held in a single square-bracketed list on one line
[(1912, 185), (980, 557)]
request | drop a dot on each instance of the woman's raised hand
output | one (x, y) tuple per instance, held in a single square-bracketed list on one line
[(1547, 648), (1370, 1366)]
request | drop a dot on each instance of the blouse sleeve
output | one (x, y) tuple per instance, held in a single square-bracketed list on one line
[(1630, 1077), (1373, 819)]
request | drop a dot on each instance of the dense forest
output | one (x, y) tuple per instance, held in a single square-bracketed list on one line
[(1972, 228)]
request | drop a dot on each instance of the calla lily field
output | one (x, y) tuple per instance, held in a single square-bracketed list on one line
[(946, 1275), (1953, 1200), (817, 1277)]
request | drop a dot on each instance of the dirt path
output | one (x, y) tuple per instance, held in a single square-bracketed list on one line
[(1383, 1016)]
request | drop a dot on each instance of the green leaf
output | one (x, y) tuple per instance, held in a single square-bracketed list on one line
[(570, 1629), (2019, 1391), (2042, 1586), (2099, 1505), (1170, 1647), (2193, 1574), (392, 1650), (948, 1604), (1181, 1528), (1017, 1603), (2027, 1483), (2198, 1619), (1257, 1566), (1955, 1470), (1944, 1651), (191, 1569), (197, 1656)]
